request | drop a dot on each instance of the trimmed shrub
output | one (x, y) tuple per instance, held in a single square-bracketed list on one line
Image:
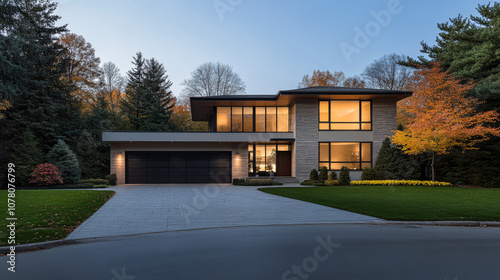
[(112, 179), (368, 174), (344, 176), (323, 174), (95, 181), (255, 182), (46, 175), (62, 156), (313, 176), (401, 183), (74, 186), (100, 186), (313, 183), (238, 181), (332, 182), (332, 176)]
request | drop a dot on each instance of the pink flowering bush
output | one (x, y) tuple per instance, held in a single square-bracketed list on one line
[(45, 175)]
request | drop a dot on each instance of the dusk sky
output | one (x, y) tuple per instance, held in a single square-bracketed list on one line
[(270, 44)]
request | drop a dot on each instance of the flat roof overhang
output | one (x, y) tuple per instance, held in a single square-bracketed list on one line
[(202, 107), (194, 137)]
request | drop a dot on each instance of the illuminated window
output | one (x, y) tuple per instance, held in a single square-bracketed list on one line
[(224, 119), (260, 119), (237, 119), (282, 119), (250, 119), (354, 155), (262, 159), (345, 115)]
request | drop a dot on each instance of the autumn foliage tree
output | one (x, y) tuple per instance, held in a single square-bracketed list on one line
[(323, 79), (441, 117), (83, 70)]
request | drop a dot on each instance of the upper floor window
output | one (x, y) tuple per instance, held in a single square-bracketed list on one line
[(345, 115), (250, 119)]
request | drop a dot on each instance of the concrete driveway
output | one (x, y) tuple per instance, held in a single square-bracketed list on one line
[(155, 208)]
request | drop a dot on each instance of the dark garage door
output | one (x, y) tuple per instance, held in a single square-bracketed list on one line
[(177, 167)]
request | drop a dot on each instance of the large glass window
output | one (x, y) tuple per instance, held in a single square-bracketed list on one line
[(260, 119), (344, 115), (237, 119), (224, 119), (282, 119), (262, 159), (354, 155), (250, 119), (271, 119)]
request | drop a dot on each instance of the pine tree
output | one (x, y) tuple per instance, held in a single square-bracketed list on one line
[(62, 157), (160, 101), (133, 105), (148, 103), (26, 156), (387, 161), (43, 103)]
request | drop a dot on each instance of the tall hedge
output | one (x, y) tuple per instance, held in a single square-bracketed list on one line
[(61, 156)]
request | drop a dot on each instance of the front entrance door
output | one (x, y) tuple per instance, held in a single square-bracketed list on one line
[(284, 163)]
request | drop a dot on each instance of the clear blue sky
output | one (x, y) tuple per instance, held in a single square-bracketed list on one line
[(270, 44)]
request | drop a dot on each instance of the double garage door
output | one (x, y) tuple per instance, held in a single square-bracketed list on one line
[(177, 167)]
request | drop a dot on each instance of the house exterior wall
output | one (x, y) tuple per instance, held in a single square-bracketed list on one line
[(383, 122), (306, 137), (239, 154)]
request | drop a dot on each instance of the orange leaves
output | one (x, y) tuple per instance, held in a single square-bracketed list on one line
[(439, 116), (323, 79)]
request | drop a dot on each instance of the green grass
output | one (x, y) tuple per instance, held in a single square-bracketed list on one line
[(44, 215), (404, 203)]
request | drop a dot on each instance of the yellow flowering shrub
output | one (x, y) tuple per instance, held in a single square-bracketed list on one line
[(401, 183)]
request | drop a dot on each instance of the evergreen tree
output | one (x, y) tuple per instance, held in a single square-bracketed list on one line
[(133, 105), (62, 157), (26, 156), (148, 103), (43, 103), (159, 97), (323, 174), (392, 164)]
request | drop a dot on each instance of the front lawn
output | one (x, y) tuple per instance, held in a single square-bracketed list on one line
[(44, 215), (404, 203)]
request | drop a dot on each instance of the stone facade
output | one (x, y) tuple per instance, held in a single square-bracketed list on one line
[(383, 122), (306, 137)]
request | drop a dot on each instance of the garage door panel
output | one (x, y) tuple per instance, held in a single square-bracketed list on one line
[(157, 172), (197, 171), (198, 163), (158, 163), (178, 167), (177, 163), (177, 171)]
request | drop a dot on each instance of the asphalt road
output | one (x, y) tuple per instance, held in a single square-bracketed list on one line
[(275, 252)]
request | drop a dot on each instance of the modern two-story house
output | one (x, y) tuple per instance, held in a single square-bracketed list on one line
[(286, 134)]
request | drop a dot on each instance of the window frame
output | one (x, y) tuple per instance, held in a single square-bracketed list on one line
[(360, 162), (254, 119), (360, 123)]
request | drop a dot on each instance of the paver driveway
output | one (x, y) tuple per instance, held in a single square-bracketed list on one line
[(153, 208)]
